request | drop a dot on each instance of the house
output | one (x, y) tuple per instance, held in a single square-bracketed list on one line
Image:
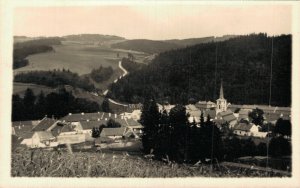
[(113, 133), (70, 134), (243, 114), (227, 116), (166, 107), (42, 139), (194, 113), (205, 105), (23, 129), (245, 129)]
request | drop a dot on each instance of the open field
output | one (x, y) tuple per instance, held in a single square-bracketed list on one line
[(43, 163), (77, 57)]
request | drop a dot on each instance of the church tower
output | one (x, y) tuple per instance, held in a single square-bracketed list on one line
[(221, 102)]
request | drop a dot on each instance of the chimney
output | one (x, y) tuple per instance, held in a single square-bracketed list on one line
[(82, 113), (115, 115), (109, 114), (87, 120), (105, 119), (70, 114), (19, 127), (98, 119)]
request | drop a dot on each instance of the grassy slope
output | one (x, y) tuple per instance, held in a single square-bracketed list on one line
[(41, 163)]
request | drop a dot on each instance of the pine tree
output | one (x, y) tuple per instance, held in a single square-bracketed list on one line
[(150, 120)]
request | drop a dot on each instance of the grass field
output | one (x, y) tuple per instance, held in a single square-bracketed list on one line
[(43, 163), (79, 58)]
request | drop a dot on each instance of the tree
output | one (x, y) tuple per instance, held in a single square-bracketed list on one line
[(95, 132), (105, 105), (257, 116), (113, 124), (150, 120), (179, 124), (41, 105), (283, 127), (279, 146)]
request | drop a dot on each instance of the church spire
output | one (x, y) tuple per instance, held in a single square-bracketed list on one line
[(221, 91)]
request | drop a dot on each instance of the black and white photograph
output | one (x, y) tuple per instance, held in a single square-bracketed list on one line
[(149, 91)]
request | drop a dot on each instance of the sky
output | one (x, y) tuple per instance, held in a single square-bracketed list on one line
[(155, 22)]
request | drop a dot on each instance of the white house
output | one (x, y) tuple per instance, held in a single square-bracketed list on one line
[(244, 129), (42, 139)]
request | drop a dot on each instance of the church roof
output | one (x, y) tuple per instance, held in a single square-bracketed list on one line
[(221, 92)]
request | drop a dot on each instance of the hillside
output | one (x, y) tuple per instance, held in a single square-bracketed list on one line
[(243, 63), (147, 46), (92, 37)]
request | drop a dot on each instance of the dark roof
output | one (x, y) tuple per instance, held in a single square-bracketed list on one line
[(227, 112), (67, 128), (90, 124), (229, 118), (243, 126), (112, 131), (121, 121), (45, 124)]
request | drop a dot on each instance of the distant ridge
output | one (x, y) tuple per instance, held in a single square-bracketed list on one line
[(92, 37)]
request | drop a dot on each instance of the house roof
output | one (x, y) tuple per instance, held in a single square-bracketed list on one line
[(226, 113), (119, 131), (45, 135), (191, 107), (243, 126), (88, 116), (229, 118), (211, 113), (90, 124), (68, 128), (45, 124)]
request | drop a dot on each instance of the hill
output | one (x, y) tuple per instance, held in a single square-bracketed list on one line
[(243, 63), (92, 37), (147, 46)]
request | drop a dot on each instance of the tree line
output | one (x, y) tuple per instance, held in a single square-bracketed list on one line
[(243, 63), (32, 107), (101, 74), (170, 136), (55, 78)]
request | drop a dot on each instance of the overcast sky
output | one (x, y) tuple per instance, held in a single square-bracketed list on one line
[(153, 21)]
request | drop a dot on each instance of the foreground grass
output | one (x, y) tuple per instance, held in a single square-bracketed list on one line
[(42, 163)]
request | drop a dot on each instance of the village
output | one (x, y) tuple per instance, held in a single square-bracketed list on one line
[(123, 131)]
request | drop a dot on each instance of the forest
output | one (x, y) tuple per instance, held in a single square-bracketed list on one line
[(101, 74), (243, 64), (32, 107), (55, 78)]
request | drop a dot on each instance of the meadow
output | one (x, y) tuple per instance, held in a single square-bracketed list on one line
[(80, 58), (43, 163)]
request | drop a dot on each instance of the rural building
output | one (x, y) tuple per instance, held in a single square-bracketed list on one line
[(166, 107), (221, 102), (205, 105), (42, 139), (194, 113), (113, 133), (245, 129), (227, 116)]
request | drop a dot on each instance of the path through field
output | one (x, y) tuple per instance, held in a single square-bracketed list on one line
[(115, 81)]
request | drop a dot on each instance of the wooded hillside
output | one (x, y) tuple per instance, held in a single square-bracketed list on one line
[(243, 63)]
